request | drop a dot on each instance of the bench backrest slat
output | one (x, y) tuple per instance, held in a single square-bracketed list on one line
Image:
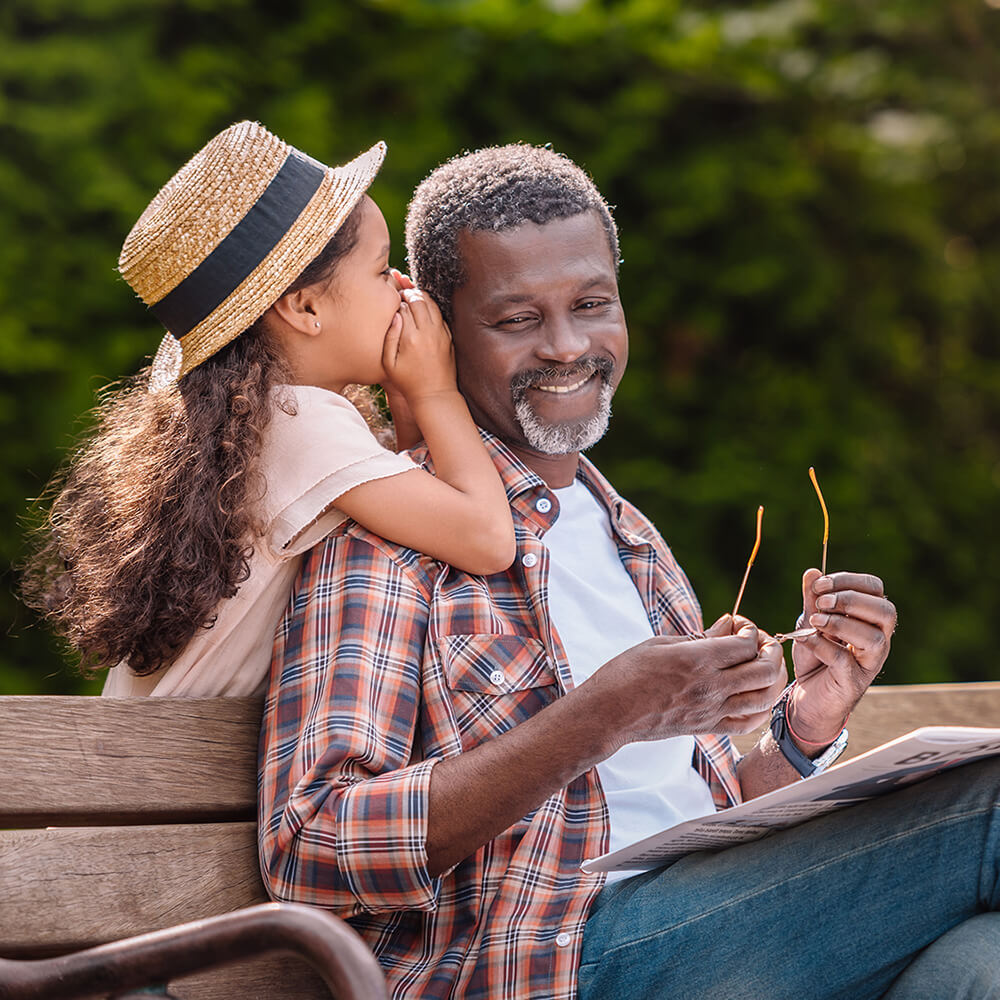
[(78, 761), (887, 712), (70, 888)]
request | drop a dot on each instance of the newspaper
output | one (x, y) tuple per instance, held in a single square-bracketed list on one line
[(910, 758)]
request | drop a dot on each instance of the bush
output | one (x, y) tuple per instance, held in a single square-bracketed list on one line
[(808, 196)]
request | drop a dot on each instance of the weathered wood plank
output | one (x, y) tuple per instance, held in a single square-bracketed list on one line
[(893, 710), (68, 888), (72, 760), (261, 978), (64, 889), (253, 979)]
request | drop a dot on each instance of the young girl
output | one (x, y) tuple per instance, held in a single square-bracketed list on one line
[(176, 531)]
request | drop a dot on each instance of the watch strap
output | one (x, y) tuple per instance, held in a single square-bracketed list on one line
[(806, 766)]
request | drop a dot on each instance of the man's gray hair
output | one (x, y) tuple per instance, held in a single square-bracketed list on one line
[(492, 189)]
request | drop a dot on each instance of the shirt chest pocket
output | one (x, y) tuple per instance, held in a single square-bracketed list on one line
[(496, 682)]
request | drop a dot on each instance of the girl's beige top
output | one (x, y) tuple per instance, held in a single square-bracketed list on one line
[(309, 459)]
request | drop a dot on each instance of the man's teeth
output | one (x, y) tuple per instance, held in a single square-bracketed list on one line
[(565, 388)]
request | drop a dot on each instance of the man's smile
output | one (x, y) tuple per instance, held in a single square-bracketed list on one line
[(563, 380), (564, 387)]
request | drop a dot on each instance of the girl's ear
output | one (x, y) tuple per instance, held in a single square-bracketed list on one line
[(300, 311)]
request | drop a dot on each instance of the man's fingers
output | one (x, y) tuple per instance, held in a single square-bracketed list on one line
[(731, 650), (866, 583), (763, 678), (876, 611), (809, 595), (695, 683), (718, 651), (672, 640), (724, 626), (869, 641), (764, 685), (749, 703), (736, 725), (833, 654), (756, 693)]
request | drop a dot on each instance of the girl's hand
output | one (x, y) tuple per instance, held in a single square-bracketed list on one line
[(417, 355), (403, 281)]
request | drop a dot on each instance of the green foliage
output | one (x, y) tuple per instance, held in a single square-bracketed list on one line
[(808, 193)]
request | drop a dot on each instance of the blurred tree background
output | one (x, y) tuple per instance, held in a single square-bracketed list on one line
[(809, 198)]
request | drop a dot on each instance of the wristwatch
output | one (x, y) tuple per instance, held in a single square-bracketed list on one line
[(806, 766)]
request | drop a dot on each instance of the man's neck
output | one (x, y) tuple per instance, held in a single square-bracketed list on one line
[(557, 470)]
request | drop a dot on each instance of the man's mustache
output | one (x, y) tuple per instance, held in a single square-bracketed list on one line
[(582, 367)]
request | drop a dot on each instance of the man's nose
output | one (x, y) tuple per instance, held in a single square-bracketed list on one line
[(563, 340)]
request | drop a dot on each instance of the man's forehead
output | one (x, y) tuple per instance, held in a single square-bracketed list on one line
[(512, 263)]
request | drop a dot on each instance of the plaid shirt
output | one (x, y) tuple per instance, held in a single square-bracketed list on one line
[(385, 663)]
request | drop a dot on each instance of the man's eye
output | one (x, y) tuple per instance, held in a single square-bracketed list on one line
[(514, 321), (592, 304)]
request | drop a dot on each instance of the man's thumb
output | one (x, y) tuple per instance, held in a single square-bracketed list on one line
[(720, 627)]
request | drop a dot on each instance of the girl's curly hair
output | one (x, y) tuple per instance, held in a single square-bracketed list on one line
[(153, 521)]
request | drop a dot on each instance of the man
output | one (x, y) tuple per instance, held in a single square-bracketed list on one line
[(441, 752)]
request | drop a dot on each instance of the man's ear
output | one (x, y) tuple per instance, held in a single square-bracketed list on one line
[(299, 310)]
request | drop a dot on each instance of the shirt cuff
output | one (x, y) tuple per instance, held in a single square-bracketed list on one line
[(382, 840)]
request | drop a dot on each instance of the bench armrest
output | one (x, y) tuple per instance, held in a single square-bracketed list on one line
[(328, 944)]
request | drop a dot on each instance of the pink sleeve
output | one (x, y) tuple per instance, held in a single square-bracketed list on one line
[(312, 457)]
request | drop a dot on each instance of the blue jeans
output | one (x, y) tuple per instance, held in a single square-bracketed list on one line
[(835, 909)]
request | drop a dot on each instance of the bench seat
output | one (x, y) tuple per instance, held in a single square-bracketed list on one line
[(124, 816)]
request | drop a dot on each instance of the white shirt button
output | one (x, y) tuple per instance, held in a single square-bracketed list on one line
[(564, 939), (496, 677), (529, 559), (543, 505)]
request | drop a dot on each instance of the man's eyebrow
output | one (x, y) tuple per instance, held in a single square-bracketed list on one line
[(503, 299), (598, 279), (517, 298)]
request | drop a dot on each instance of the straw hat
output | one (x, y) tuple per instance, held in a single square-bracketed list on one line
[(228, 233)]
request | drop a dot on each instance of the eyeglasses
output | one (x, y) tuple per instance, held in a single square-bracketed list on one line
[(800, 633), (826, 516)]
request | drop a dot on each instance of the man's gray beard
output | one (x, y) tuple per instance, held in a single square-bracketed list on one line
[(562, 439)]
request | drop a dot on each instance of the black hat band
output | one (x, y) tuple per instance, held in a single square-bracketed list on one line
[(243, 249)]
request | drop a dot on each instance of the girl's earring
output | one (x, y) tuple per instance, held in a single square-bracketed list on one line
[(316, 324)]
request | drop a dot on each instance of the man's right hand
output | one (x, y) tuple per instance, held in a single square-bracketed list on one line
[(666, 686), (674, 685)]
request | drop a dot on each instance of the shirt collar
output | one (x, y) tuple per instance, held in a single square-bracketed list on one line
[(525, 487), (516, 477)]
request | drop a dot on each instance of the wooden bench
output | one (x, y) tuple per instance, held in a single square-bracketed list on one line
[(123, 817)]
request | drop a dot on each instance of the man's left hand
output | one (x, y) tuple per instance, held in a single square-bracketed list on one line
[(834, 667)]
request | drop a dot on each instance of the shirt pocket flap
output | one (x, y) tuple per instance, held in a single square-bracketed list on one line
[(494, 664)]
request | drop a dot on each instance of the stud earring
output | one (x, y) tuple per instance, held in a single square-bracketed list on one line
[(316, 324)]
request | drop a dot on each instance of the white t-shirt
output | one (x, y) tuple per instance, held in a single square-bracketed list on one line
[(309, 458), (598, 614)]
